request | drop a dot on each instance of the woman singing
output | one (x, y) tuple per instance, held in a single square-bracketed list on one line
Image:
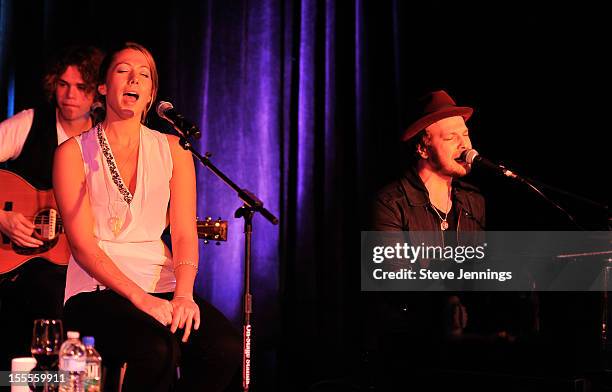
[(116, 186)]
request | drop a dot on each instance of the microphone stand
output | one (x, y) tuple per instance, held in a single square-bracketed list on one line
[(607, 269), (251, 205), (532, 185)]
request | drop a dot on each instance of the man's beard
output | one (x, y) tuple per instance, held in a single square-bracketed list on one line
[(450, 168)]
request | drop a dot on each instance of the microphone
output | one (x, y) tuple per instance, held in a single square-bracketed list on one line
[(166, 111), (97, 112), (473, 158)]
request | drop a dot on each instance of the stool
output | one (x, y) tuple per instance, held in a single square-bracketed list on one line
[(114, 373), (112, 376)]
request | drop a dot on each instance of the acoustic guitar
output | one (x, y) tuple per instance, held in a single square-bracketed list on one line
[(16, 194)]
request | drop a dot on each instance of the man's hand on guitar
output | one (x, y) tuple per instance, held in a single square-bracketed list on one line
[(18, 228)]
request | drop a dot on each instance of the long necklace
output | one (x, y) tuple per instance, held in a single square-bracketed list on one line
[(124, 161), (115, 220), (116, 203)]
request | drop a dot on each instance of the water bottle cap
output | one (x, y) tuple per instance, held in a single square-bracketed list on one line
[(89, 341), (73, 335)]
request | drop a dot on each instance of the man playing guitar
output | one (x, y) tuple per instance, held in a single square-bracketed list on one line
[(27, 143)]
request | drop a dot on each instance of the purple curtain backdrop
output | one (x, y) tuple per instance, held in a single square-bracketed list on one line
[(240, 101)]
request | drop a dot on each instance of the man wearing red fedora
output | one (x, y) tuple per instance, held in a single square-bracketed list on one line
[(429, 196), (430, 202)]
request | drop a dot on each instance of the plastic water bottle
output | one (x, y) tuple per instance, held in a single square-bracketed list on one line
[(93, 366), (72, 360)]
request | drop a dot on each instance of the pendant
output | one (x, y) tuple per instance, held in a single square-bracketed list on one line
[(115, 225), (444, 225)]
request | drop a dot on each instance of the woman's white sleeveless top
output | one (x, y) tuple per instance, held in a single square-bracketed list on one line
[(128, 233)]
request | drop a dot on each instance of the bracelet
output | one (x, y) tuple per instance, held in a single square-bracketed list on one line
[(190, 263), (190, 297)]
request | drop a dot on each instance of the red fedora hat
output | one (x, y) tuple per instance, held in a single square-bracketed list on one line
[(434, 107)]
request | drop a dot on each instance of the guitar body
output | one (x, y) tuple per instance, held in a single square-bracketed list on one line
[(16, 194)]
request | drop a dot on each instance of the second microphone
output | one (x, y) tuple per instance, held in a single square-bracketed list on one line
[(166, 111)]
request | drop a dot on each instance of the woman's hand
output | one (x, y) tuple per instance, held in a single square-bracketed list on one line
[(185, 314), (159, 309)]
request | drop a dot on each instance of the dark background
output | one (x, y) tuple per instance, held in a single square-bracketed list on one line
[(345, 75)]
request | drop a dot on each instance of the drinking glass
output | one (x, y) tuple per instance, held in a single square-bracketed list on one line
[(47, 337)]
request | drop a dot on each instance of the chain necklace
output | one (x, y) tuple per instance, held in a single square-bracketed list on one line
[(124, 161), (444, 222)]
